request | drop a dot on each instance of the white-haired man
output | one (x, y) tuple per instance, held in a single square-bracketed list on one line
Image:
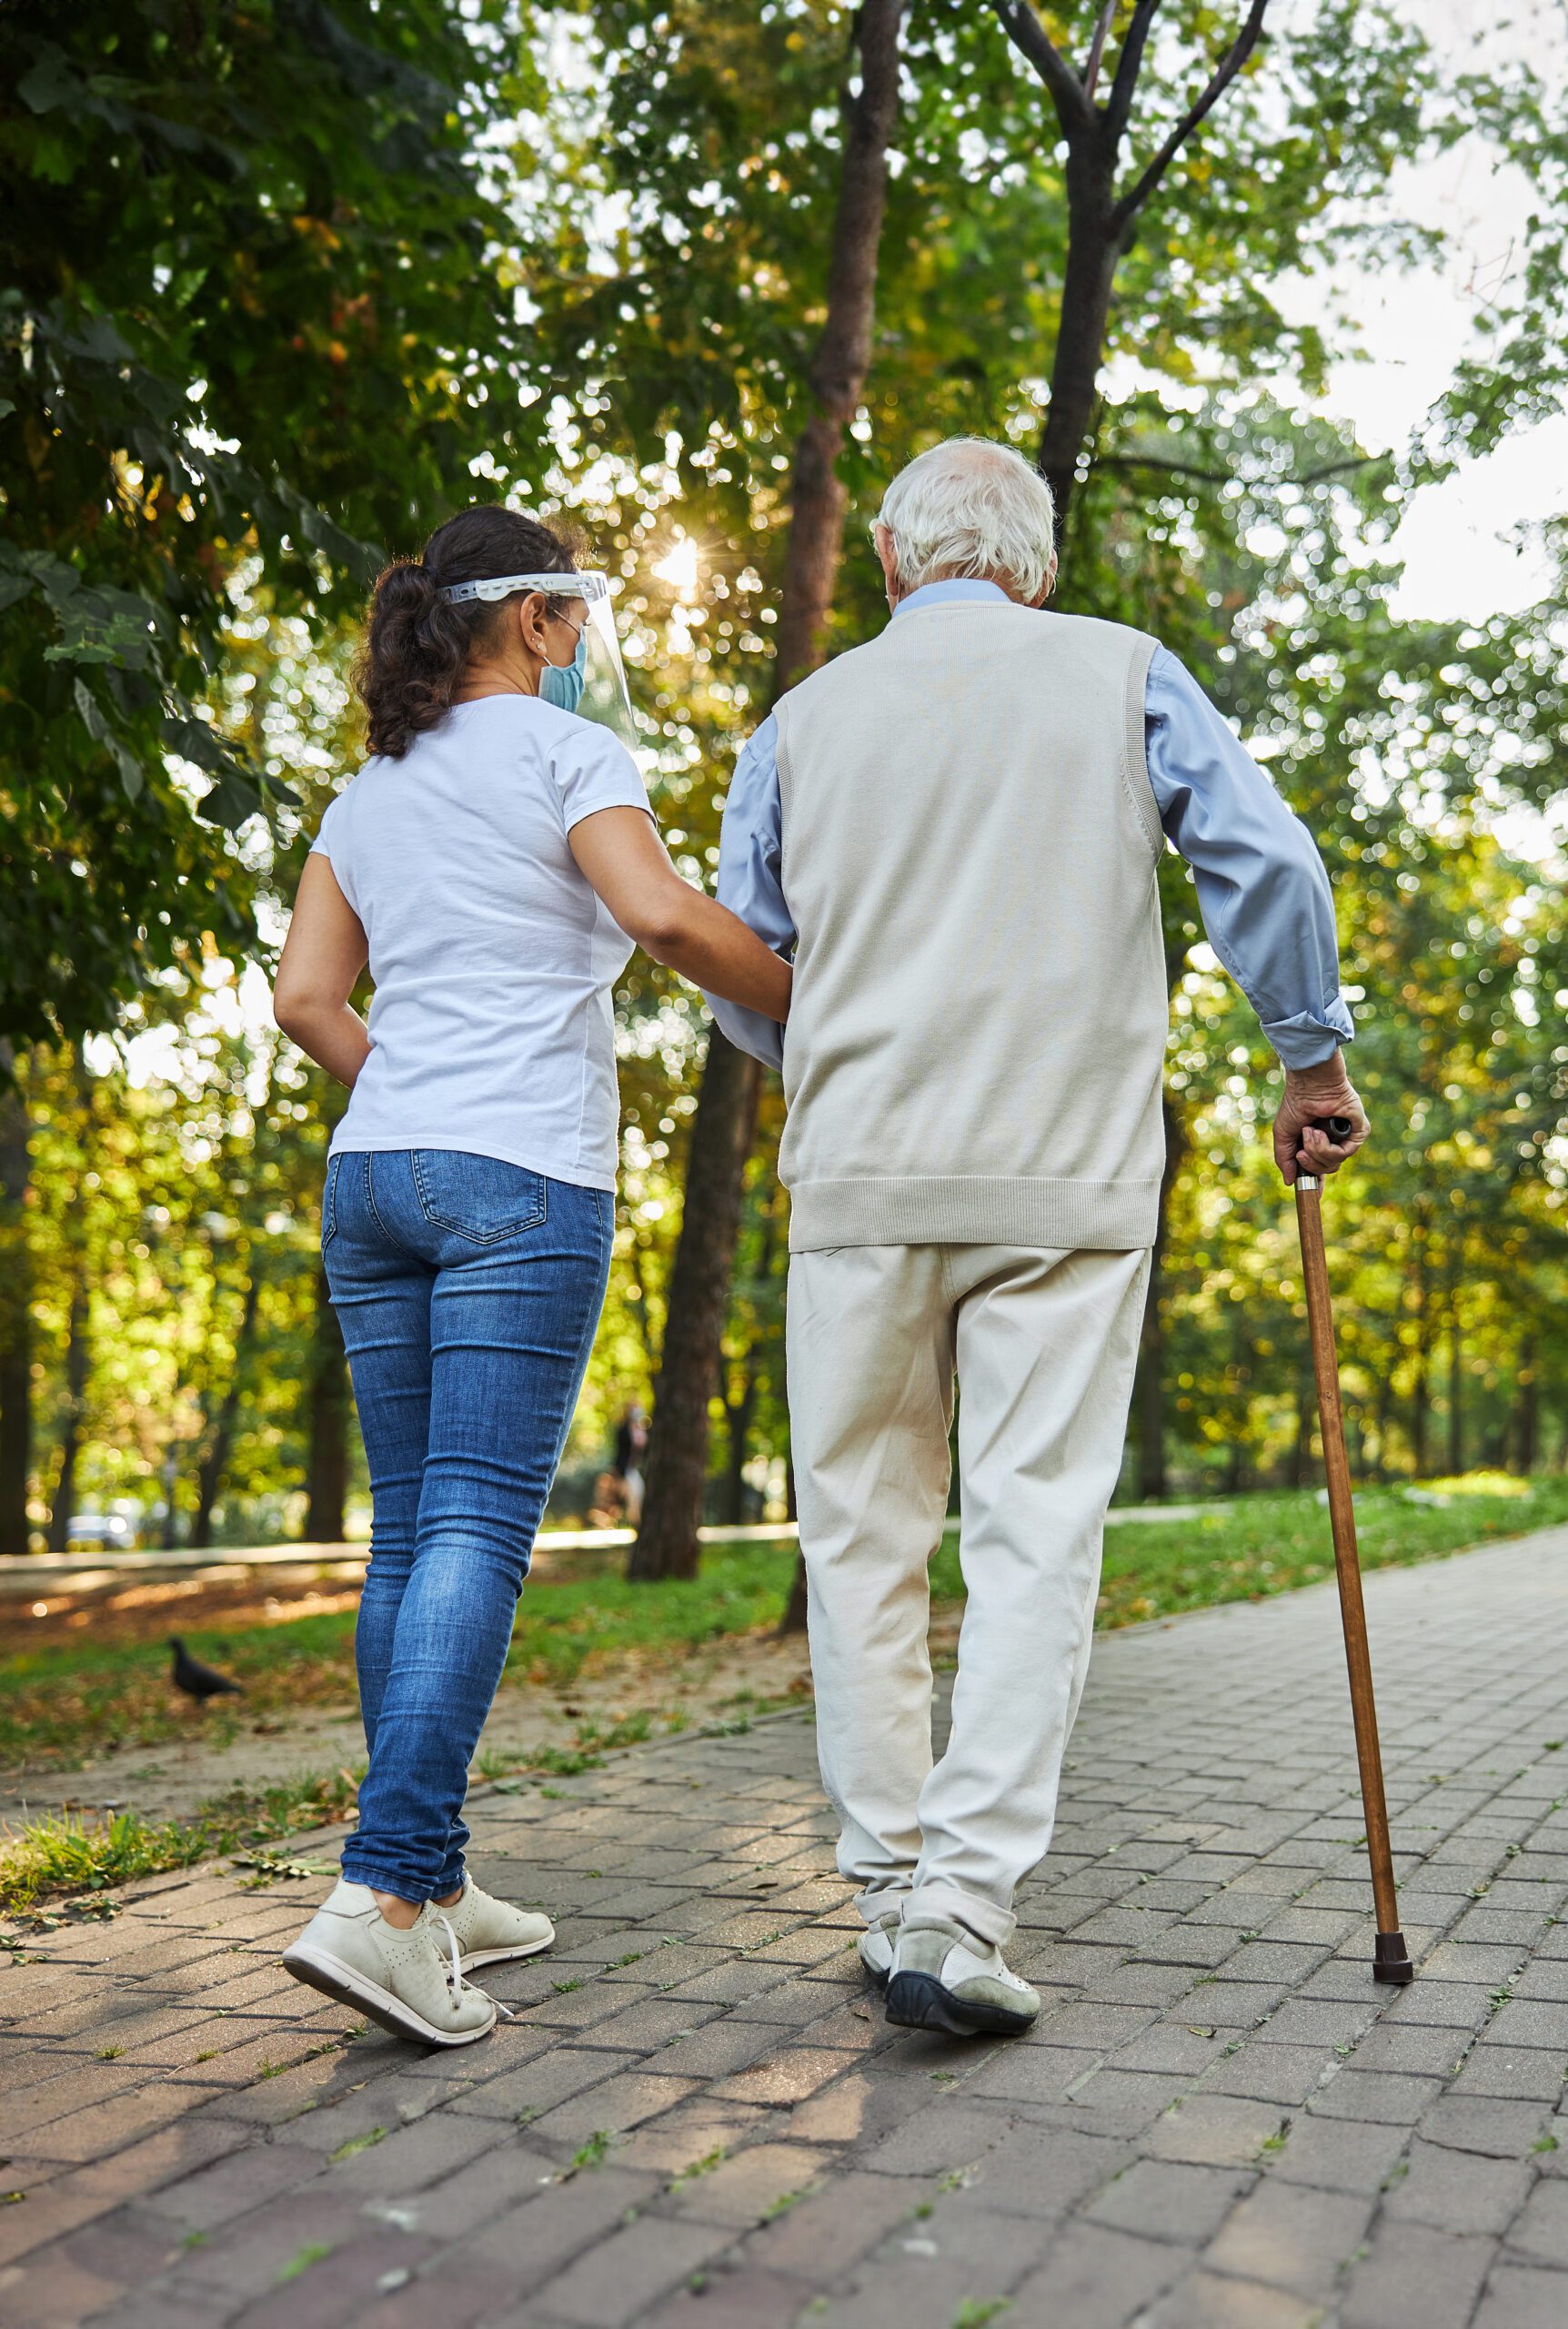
[(956, 829)]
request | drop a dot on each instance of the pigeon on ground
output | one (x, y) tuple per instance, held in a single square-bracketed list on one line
[(196, 1681)]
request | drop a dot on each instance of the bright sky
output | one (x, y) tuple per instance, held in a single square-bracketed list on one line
[(1416, 326)]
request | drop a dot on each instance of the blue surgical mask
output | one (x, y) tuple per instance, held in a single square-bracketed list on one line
[(562, 685)]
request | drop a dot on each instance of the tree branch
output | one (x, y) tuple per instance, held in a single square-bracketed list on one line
[(1030, 38), (1227, 477), (1097, 49), (1129, 66), (1246, 40)]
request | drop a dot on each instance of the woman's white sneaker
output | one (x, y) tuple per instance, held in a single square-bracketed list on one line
[(945, 1977), (411, 1981), (490, 1932)]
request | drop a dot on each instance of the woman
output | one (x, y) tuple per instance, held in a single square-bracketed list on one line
[(494, 863)]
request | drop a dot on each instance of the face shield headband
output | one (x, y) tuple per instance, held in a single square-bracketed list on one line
[(605, 697)]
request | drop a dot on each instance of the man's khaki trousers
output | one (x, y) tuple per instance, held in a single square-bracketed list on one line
[(1044, 1346)]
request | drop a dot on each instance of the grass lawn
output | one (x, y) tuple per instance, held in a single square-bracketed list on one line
[(69, 1703)]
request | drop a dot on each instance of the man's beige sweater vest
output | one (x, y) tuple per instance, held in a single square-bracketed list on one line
[(979, 1013)]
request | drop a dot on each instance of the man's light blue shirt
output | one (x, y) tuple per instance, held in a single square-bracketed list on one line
[(1263, 894)]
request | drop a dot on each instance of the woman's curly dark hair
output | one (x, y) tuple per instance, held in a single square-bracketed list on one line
[(416, 645)]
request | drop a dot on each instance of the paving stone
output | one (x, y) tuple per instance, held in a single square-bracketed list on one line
[(1040, 2172), (819, 2240), (752, 2184), (1541, 2231), (1519, 2298), (1293, 2236), (1412, 2273), (788, 2075), (1165, 2200), (621, 2276), (1383, 2097), (730, 2044), (1338, 2155), (609, 2108), (537, 2086), (231, 2186), (696, 2132), (1037, 2073), (1510, 2073), (1532, 2021), (1209, 2301), (731, 2298), (1474, 2122), (926, 2275), (1456, 2192), (1268, 2073), (1097, 2280), (1405, 2046), (1214, 2130)]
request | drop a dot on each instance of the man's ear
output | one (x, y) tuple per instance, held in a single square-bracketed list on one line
[(1050, 581), (887, 550)]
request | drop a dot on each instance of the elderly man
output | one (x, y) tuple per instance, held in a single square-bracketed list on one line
[(956, 829)]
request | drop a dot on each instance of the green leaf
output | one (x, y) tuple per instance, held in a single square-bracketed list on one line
[(97, 726), (51, 83)]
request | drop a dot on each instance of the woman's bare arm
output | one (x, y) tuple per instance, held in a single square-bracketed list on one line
[(323, 956), (621, 854)]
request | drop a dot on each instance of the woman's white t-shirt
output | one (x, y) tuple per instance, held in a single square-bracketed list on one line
[(493, 959)]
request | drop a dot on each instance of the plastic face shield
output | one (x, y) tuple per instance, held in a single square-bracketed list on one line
[(583, 601)]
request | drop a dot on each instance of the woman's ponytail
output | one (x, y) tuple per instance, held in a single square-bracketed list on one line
[(418, 645), (415, 654)]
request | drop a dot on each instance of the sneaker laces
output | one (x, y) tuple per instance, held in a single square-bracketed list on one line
[(455, 1980)]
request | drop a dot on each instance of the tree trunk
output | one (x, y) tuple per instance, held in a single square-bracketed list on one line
[(1455, 1391), (677, 1469), (1150, 1396), (15, 1314), (214, 1465), (1088, 282), (326, 1466), (738, 1414), (837, 373), (1528, 1407), (727, 1102), (1300, 1462), (1100, 220), (1383, 1410), (1418, 1396), (77, 1350)]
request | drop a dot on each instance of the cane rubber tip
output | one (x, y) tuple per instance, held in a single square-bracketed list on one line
[(1391, 1958)]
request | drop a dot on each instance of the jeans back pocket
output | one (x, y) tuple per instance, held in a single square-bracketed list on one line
[(478, 1197)]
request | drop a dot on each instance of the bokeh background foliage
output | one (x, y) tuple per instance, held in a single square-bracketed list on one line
[(286, 282)]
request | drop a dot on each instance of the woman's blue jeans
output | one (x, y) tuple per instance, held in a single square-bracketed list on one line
[(468, 1292)]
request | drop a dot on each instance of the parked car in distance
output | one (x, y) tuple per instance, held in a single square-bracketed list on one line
[(110, 1529)]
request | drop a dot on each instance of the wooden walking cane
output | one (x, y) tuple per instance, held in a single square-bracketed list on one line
[(1391, 1957)]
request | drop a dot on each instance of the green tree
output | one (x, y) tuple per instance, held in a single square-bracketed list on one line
[(250, 312)]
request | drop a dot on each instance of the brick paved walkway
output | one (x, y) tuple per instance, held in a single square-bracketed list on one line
[(700, 2119)]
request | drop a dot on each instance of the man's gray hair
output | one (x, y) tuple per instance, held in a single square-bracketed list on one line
[(971, 508)]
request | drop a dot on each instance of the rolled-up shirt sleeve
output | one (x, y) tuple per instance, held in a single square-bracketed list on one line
[(1264, 896), (750, 853)]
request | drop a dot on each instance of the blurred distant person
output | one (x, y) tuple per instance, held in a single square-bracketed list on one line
[(957, 829), (494, 863), (631, 1448)]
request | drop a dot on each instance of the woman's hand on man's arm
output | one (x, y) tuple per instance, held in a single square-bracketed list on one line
[(621, 855), (323, 956)]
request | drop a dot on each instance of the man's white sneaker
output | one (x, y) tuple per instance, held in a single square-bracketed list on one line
[(490, 1932), (410, 1981), (945, 1977), (876, 1946)]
